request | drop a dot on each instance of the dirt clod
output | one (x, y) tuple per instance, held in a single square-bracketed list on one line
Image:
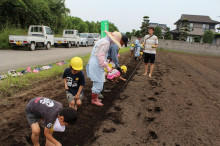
[(153, 134)]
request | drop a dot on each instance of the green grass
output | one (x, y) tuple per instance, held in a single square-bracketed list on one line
[(124, 50), (58, 35), (13, 85), (4, 36)]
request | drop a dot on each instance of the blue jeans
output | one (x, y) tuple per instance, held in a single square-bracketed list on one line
[(97, 87)]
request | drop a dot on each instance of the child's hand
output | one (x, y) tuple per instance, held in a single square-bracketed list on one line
[(109, 69), (77, 96), (153, 46), (124, 80)]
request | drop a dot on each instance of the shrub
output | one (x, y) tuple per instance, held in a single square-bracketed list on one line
[(158, 32), (208, 37), (197, 39)]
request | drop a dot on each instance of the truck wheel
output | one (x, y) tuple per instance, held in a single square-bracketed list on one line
[(69, 45), (86, 45), (77, 45), (48, 46), (32, 46)]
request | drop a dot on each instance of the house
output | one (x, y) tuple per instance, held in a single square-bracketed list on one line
[(162, 26), (197, 25)]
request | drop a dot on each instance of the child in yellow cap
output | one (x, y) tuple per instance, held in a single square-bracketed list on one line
[(74, 81), (115, 74), (132, 50)]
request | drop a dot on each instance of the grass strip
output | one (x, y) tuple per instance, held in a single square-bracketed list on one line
[(12, 85)]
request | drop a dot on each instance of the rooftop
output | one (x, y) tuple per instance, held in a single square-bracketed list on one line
[(197, 18)]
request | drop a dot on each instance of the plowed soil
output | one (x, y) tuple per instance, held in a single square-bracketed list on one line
[(178, 105)]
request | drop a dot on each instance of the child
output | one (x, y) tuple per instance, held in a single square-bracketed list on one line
[(132, 50), (74, 81), (115, 74), (55, 118), (137, 48)]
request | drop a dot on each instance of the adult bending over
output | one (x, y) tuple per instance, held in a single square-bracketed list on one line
[(97, 63)]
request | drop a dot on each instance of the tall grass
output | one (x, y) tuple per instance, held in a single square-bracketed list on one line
[(4, 35), (13, 85)]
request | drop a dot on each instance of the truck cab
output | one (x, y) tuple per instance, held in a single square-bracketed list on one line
[(38, 36), (70, 38)]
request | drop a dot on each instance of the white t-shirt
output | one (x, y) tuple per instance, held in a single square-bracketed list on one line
[(149, 41), (58, 127)]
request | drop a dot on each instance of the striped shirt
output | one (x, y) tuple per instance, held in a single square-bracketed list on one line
[(149, 41)]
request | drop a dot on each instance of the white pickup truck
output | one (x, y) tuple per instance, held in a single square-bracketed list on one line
[(38, 36), (70, 38)]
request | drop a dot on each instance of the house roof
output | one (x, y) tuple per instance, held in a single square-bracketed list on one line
[(153, 24), (175, 31), (197, 18), (164, 26), (191, 33)]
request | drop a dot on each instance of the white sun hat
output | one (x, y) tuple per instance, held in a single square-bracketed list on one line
[(115, 36)]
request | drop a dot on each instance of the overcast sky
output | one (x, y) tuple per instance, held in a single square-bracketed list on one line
[(128, 14)]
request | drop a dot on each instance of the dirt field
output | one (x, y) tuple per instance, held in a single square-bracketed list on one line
[(179, 105)]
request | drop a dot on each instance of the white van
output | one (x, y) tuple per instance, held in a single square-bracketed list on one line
[(96, 36), (86, 39)]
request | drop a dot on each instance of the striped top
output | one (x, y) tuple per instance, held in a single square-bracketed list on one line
[(149, 41)]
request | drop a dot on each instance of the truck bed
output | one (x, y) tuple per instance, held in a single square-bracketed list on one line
[(63, 40), (26, 38)]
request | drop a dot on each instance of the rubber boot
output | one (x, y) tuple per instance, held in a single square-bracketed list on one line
[(95, 100)]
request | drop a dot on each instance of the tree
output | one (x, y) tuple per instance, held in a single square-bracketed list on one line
[(208, 37), (83, 27), (184, 30), (167, 34), (144, 26), (197, 39), (138, 33), (112, 27), (52, 13), (12, 12), (133, 32), (158, 32), (128, 34)]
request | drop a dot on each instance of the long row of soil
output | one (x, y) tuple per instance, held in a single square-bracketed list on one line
[(178, 105)]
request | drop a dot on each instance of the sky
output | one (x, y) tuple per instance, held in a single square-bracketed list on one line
[(128, 14)]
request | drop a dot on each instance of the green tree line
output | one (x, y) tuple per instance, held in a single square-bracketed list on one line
[(52, 13)]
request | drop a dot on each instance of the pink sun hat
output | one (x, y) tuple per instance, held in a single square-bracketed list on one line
[(115, 36)]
